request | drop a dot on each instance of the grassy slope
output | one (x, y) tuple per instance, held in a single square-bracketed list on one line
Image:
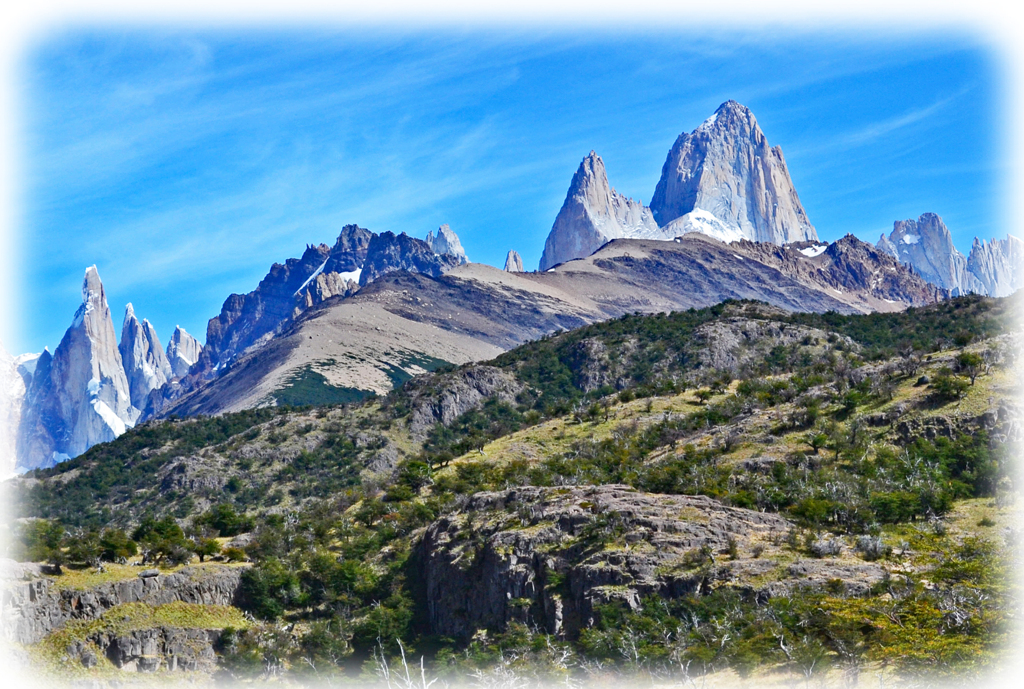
[(285, 459)]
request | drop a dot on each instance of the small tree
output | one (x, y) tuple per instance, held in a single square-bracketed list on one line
[(115, 545), (948, 386), (971, 364), (816, 440), (84, 546), (205, 547)]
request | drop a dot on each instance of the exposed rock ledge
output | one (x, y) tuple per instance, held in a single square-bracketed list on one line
[(549, 556), (150, 650), (29, 610)]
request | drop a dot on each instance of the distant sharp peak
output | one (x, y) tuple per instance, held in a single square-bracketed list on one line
[(92, 278), (591, 173), (182, 352), (446, 242), (726, 168), (593, 214), (998, 264), (730, 116), (513, 262), (993, 267)]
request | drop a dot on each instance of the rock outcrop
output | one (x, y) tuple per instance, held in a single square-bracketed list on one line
[(145, 363), (550, 556), (998, 264), (182, 352), (388, 252), (447, 242), (848, 269), (157, 649), (35, 607), (927, 245), (339, 275), (80, 396), (594, 214), (444, 399), (513, 262), (725, 180)]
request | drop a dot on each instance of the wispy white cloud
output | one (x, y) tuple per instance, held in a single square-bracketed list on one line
[(185, 163)]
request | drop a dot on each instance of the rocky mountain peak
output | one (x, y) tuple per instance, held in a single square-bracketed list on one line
[(594, 214), (998, 265), (726, 169), (145, 364), (349, 252), (388, 252), (447, 242), (81, 397), (182, 351), (513, 262), (927, 245)]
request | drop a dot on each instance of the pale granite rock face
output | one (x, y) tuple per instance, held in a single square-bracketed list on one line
[(726, 168), (513, 262), (447, 242), (593, 214), (15, 377), (182, 351), (927, 246), (80, 396), (145, 363), (998, 264)]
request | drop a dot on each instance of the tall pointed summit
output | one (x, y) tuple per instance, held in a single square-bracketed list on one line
[(182, 351), (447, 242), (81, 396), (593, 214), (145, 363), (725, 180)]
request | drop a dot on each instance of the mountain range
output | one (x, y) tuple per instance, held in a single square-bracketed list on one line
[(359, 317)]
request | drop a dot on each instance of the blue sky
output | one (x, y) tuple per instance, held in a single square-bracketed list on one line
[(184, 162)]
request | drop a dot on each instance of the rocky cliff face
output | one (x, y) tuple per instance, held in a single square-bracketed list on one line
[(339, 276), (513, 262), (466, 389), (849, 269), (927, 245), (447, 242), (80, 397), (998, 265), (182, 351), (145, 363), (151, 650), (389, 252), (592, 215), (33, 606), (247, 318), (549, 556), (726, 169)]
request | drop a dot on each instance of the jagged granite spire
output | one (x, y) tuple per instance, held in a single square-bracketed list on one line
[(182, 351), (447, 242), (723, 179), (513, 262), (592, 215), (81, 396), (927, 245), (145, 364), (998, 264)]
